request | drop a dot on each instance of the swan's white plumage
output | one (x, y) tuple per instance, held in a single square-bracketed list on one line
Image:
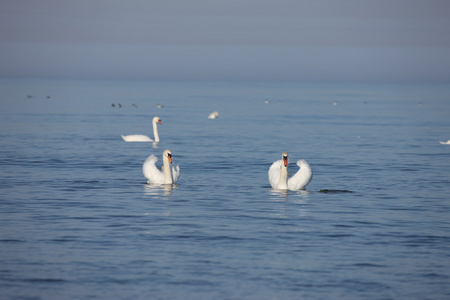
[(144, 138), (297, 182), (136, 138), (157, 176), (303, 176), (274, 173), (151, 172), (445, 143), (213, 115)]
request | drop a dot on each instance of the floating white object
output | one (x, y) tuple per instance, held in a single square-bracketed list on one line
[(213, 115), (144, 138), (169, 174), (278, 174), (445, 143)]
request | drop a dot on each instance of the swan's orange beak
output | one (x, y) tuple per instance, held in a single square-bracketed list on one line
[(159, 121), (169, 156), (285, 161)]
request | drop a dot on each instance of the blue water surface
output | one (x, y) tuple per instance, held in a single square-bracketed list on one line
[(78, 221)]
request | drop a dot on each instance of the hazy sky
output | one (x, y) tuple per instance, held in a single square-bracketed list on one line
[(311, 40)]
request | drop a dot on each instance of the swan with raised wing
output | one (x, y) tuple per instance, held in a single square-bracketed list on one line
[(278, 174), (168, 175), (144, 138)]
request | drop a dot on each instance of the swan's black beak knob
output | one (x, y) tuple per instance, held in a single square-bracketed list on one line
[(285, 161)]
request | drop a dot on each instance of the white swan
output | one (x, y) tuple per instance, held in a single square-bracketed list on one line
[(278, 174), (445, 143), (169, 174), (213, 115), (144, 138)]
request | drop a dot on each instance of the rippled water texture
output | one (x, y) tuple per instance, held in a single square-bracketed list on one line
[(78, 221)]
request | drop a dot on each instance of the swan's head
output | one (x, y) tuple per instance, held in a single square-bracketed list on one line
[(167, 153), (157, 120), (284, 157)]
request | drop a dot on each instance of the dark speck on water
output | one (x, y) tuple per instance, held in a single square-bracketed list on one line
[(334, 191)]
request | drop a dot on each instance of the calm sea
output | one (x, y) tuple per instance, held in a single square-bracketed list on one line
[(78, 221)]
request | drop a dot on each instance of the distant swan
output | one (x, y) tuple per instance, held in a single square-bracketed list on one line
[(445, 143), (278, 174), (213, 115), (169, 174), (144, 138)]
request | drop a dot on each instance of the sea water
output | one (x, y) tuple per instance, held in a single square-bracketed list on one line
[(78, 221)]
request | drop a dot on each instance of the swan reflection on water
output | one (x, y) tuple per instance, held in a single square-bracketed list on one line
[(280, 195), (292, 206), (159, 190)]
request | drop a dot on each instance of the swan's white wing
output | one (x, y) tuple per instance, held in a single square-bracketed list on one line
[(175, 172), (151, 172), (136, 138), (274, 173), (302, 177)]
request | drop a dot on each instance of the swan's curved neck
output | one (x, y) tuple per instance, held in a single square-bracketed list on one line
[(155, 131), (167, 171), (282, 182)]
